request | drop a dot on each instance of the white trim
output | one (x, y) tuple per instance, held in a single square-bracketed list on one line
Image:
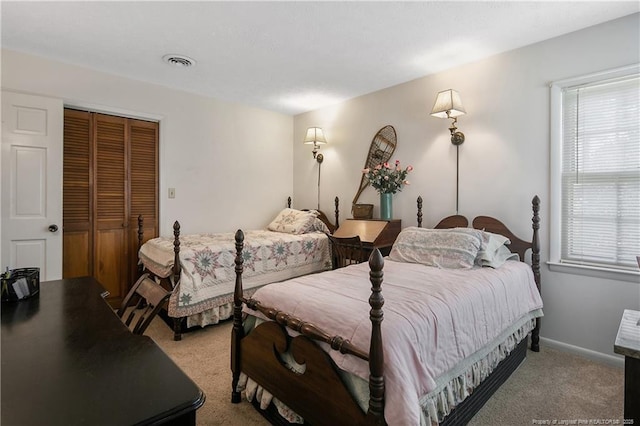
[(611, 360), (112, 111), (555, 170), (595, 271), (555, 175), (601, 75)]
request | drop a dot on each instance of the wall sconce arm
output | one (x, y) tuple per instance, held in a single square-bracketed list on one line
[(457, 138)]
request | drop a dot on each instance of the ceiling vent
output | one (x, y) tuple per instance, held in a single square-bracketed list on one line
[(179, 60)]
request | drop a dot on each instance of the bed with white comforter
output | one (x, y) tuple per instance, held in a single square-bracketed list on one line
[(457, 302), (443, 329)]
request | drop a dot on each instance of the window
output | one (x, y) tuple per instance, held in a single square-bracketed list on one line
[(595, 161)]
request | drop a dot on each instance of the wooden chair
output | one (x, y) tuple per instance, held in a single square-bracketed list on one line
[(142, 303), (346, 251)]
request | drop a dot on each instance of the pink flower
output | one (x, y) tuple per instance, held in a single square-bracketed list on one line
[(387, 178)]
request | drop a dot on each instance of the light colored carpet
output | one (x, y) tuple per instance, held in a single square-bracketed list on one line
[(549, 385)]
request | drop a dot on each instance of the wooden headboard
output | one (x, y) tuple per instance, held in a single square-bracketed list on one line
[(323, 217), (490, 224)]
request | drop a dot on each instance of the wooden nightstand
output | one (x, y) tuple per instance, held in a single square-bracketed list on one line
[(374, 233)]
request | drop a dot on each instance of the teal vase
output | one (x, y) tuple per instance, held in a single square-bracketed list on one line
[(386, 206)]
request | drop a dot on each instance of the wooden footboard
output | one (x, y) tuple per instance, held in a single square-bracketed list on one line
[(168, 282), (317, 394), (176, 253)]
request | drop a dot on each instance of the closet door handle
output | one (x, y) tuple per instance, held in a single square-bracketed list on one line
[(53, 228)]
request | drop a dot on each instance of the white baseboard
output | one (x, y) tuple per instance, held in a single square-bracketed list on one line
[(612, 360)]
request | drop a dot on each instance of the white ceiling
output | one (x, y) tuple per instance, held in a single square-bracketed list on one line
[(289, 57)]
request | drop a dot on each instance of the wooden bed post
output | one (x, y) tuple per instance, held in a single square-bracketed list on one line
[(289, 202), (337, 203), (176, 252), (177, 322), (375, 413), (535, 266), (140, 238), (419, 202), (237, 332)]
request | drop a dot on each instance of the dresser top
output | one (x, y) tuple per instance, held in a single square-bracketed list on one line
[(628, 338), (376, 232)]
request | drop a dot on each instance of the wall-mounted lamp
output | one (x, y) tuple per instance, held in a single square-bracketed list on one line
[(449, 105), (315, 136)]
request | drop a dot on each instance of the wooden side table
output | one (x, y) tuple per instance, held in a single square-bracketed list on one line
[(628, 344)]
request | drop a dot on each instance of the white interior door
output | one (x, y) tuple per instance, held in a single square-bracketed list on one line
[(32, 143)]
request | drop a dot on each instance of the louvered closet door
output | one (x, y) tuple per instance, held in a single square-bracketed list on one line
[(143, 168), (110, 214), (110, 178), (77, 260)]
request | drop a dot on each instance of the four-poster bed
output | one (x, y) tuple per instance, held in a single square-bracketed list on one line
[(198, 268), (288, 346)]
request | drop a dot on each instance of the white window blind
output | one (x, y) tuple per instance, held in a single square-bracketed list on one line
[(600, 191)]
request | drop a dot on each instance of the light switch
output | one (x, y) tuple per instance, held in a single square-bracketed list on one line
[(172, 193)]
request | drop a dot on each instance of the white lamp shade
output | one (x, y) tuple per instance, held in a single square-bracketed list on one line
[(314, 136), (448, 101)]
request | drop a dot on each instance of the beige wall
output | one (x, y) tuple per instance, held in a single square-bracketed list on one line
[(504, 161), (234, 165), (223, 159)]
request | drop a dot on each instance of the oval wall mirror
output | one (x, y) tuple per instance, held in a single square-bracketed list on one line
[(380, 151)]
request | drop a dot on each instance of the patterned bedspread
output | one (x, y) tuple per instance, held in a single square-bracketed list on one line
[(207, 260)]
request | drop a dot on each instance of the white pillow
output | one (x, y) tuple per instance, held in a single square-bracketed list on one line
[(500, 256), (455, 248), (293, 221), (494, 251)]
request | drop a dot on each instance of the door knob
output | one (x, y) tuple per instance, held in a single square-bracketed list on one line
[(53, 228)]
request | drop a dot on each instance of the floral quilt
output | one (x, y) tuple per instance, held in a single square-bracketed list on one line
[(208, 270)]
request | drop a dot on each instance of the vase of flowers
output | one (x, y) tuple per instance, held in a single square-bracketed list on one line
[(387, 179), (386, 205)]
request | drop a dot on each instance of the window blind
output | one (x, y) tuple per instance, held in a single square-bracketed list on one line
[(601, 173)]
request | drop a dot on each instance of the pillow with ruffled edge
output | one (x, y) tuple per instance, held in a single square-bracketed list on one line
[(494, 251), (501, 255), (455, 248), (292, 221)]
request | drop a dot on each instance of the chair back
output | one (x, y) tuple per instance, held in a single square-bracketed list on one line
[(142, 304), (346, 251)]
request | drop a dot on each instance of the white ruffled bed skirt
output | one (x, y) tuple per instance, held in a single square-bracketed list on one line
[(436, 405), (210, 316)]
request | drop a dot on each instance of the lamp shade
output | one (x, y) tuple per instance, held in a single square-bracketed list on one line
[(448, 101), (314, 136)]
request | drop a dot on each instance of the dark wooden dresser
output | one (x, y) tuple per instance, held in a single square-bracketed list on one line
[(67, 359)]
